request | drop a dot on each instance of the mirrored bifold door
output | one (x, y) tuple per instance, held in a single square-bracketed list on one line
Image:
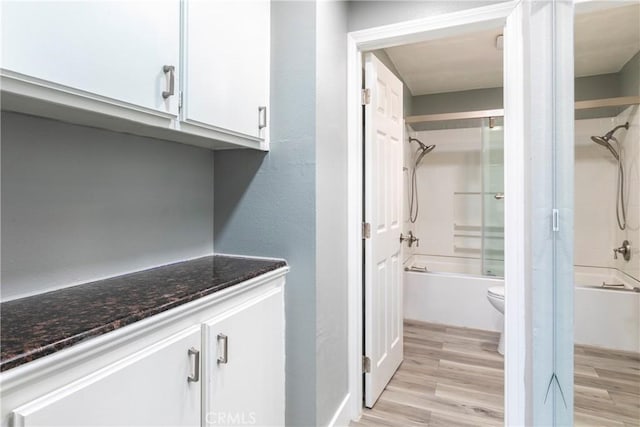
[(539, 110)]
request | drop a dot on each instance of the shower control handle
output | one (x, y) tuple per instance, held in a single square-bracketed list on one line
[(410, 238), (624, 250)]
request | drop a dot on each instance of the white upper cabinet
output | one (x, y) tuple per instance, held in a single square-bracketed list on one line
[(190, 71), (226, 61), (112, 49)]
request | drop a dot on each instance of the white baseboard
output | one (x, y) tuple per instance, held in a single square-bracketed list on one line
[(341, 418)]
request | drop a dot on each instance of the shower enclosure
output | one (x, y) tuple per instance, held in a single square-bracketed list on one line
[(460, 186), (462, 216), (492, 249)]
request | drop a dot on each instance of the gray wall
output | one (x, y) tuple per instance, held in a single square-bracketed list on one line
[(331, 201), (451, 102), (80, 203), (266, 203), (591, 87), (630, 77), (366, 14), (595, 87)]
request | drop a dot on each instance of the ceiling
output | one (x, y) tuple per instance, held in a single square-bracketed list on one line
[(604, 41)]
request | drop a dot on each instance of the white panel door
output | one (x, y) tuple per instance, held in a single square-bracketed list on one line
[(227, 49), (244, 364), (114, 49), (149, 388), (383, 210)]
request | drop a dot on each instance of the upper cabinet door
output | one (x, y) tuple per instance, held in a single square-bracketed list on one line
[(113, 49), (227, 65)]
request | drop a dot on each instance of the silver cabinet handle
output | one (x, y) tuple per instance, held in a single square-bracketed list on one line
[(223, 342), (499, 196), (172, 77), (195, 376), (262, 117)]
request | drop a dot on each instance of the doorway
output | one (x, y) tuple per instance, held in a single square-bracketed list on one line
[(521, 110), (446, 249)]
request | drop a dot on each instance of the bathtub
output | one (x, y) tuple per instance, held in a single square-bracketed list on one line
[(452, 292)]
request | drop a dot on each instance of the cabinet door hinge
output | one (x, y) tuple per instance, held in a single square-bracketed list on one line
[(366, 96), (180, 100), (366, 230), (366, 364)]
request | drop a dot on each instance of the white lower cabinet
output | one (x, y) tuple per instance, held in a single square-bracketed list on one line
[(244, 363), (216, 361), (149, 388)]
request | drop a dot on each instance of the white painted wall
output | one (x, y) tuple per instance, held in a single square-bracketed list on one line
[(331, 214)]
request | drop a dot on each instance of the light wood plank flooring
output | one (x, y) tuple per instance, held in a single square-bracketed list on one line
[(454, 377)]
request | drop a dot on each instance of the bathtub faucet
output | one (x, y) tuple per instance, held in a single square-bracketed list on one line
[(624, 250), (410, 238)]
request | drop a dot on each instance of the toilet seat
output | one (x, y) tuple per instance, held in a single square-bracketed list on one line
[(496, 292)]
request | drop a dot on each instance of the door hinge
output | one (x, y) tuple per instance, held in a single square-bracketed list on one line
[(555, 222), (180, 100), (366, 364), (366, 96), (366, 230)]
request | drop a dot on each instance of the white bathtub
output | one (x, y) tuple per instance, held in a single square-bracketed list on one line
[(450, 293)]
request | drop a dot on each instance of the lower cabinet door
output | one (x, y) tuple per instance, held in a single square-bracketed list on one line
[(244, 364), (149, 388)]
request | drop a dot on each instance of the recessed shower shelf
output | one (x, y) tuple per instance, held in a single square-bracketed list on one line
[(478, 236), (621, 101), (476, 250), (467, 227)]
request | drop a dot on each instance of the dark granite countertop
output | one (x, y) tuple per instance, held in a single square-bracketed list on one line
[(39, 325)]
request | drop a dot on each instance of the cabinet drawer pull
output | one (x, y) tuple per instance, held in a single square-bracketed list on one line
[(262, 117), (223, 342), (195, 376), (171, 70)]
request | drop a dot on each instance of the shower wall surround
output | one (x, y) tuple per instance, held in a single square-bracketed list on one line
[(596, 230), (595, 195), (450, 180), (449, 185), (630, 141), (407, 166)]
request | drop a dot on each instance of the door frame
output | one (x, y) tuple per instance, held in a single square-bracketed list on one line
[(391, 35)]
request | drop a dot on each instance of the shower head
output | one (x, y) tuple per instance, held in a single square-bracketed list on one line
[(422, 145), (604, 140), (424, 150)]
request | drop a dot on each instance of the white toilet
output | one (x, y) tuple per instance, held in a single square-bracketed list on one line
[(495, 295)]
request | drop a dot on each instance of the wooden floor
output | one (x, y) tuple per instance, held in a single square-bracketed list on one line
[(454, 377)]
